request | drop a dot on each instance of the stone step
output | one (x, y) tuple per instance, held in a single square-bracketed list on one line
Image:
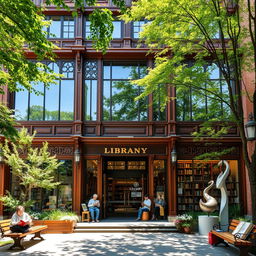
[(124, 230), (124, 227)]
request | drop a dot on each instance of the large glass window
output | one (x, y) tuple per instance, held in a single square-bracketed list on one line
[(159, 114), (119, 94), (61, 27), (196, 104), (54, 103), (193, 177), (90, 90), (138, 27), (60, 197), (117, 32)]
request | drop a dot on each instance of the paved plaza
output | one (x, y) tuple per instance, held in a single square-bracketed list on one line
[(126, 244)]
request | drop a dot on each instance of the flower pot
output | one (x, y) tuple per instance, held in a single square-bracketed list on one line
[(187, 230), (56, 226)]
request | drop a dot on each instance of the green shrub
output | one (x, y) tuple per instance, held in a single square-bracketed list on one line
[(54, 215)]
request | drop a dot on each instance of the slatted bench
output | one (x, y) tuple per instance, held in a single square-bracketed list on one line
[(227, 237), (19, 237)]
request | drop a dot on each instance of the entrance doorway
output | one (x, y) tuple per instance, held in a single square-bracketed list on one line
[(125, 183)]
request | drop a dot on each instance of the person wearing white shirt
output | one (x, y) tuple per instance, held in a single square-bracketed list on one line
[(94, 206), (20, 221), (145, 207)]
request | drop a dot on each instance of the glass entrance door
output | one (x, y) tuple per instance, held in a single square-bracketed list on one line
[(125, 186)]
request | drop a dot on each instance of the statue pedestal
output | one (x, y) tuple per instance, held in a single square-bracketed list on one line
[(206, 223)]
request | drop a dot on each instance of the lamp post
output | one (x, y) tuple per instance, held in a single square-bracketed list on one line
[(77, 156), (250, 128), (174, 156)]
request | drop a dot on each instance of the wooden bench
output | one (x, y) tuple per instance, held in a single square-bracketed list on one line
[(227, 237), (19, 237)]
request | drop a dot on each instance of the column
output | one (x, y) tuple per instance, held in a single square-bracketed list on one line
[(151, 176), (171, 182), (77, 179), (78, 108)]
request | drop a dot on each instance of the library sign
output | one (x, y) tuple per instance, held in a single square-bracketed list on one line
[(125, 149)]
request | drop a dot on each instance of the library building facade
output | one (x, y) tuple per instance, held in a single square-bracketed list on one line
[(110, 144)]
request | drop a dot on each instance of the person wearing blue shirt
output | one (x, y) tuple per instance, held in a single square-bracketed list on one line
[(145, 206), (94, 205)]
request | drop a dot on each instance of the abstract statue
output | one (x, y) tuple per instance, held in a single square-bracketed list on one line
[(221, 184), (211, 203)]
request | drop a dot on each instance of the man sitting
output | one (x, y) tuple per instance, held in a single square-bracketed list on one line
[(20, 221), (145, 207), (94, 206)]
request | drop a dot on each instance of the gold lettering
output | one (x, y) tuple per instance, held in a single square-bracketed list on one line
[(144, 150), (106, 151), (130, 151), (123, 151), (117, 150), (136, 150)]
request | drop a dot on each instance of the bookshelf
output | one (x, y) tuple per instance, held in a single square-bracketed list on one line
[(193, 177)]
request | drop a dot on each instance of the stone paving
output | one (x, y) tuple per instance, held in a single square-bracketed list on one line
[(110, 244)]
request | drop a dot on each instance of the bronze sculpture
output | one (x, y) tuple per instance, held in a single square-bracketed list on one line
[(211, 203)]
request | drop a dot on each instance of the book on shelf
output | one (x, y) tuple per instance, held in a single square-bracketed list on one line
[(180, 191)]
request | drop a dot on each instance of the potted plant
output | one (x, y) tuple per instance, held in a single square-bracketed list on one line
[(178, 223), (186, 227), (57, 221), (183, 222)]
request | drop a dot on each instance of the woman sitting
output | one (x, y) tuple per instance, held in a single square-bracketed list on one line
[(20, 221), (159, 205)]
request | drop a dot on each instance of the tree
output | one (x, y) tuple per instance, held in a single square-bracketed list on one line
[(206, 34), (7, 122), (22, 23), (33, 167)]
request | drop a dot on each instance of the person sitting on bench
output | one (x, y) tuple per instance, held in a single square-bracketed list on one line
[(94, 206), (21, 221), (145, 207)]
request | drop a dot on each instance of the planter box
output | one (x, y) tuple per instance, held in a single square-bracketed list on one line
[(56, 226)]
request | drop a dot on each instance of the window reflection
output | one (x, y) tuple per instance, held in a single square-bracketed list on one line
[(54, 103), (21, 105), (61, 27), (60, 197), (138, 27), (193, 104), (117, 31), (119, 94), (159, 114), (36, 104)]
